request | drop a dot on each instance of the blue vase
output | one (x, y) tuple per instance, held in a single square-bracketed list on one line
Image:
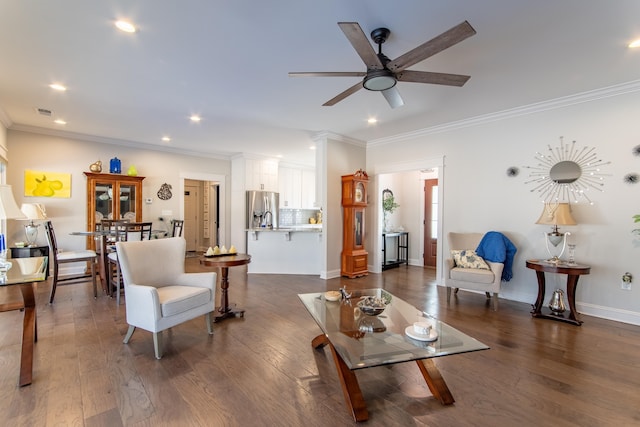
[(115, 166)]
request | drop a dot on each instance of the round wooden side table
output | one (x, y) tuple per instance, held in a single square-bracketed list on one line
[(224, 262)]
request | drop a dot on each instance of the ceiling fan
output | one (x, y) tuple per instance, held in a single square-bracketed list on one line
[(383, 73)]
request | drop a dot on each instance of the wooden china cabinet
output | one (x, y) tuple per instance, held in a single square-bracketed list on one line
[(354, 202), (112, 196)]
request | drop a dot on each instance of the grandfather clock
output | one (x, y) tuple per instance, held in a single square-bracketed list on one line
[(354, 202)]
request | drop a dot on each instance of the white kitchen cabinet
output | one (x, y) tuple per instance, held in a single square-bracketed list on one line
[(290, 187), (297, 188), (308, 189), (261, 175)]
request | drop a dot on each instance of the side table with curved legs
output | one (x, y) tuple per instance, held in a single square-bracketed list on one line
[(573, 272)]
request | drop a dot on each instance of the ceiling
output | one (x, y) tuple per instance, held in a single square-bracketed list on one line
[(228, 61)]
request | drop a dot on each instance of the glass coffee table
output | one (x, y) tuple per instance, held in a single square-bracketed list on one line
[(359, 341), (24, 272)]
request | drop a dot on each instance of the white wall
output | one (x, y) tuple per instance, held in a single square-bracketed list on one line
[(339, 157), (48, 153), (479, 196)]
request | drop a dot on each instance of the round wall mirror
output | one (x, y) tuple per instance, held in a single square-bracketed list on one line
[(565, 172)]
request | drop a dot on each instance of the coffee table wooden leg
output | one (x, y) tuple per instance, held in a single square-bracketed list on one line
[(319, 341), (434, 380), (350, 387), (28, 334)]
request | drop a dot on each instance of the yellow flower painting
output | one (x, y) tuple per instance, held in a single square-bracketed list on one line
[(47, 184)]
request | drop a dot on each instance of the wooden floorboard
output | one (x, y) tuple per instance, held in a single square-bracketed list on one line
[(261, 369)]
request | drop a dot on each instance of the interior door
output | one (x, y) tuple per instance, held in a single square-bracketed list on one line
[(430, 222), (190, 231)]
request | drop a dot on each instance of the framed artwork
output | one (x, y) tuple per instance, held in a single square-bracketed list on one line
[(47, 184)]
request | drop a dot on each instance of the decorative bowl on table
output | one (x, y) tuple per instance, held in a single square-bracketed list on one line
[(371, 324), (332, 296), (372, 306)]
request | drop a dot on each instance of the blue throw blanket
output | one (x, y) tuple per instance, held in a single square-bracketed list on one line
[(496, 247)]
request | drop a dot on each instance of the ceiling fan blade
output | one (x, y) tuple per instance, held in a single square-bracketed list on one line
[(328, 74), (393, 97), (353, 89), (361, 44), (437, 44), (433, 78)]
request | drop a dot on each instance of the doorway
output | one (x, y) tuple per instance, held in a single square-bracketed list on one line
[(430, 252), (200, 214), (408, 181), (192, 218), (202, 208)]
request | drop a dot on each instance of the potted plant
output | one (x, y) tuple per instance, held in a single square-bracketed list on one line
[(389, 205)]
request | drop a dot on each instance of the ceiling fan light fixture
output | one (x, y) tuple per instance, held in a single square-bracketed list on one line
[(379, 80)]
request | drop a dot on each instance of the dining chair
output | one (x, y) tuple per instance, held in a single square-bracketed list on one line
[(124, 232), (178, 225), (66, 257)]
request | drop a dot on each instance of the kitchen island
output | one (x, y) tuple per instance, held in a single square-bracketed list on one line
[(285, 250)]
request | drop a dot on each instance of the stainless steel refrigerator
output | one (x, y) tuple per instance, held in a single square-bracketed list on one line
[(262, 209)]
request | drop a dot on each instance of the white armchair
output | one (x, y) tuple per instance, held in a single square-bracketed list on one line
[(487, 281), (159, 294)]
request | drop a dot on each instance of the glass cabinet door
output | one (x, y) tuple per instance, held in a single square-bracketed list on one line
[(127, 202), (358, 229), (104, 201)]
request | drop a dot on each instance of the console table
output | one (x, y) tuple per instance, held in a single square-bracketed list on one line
[(573, 272), (402, 249)]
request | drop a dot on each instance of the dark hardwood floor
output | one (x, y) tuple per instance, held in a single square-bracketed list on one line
[(260, 370)]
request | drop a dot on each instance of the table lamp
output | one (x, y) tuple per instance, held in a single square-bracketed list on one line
[(8, 210), (33, 211), (556, 214)]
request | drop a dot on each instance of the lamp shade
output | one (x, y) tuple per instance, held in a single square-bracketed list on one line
[(34, 211), (556, 214), (8, 206)]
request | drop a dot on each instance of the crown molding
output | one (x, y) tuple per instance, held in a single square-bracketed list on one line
[(5, 119), (115, 141), (566, 101), (325, 135)]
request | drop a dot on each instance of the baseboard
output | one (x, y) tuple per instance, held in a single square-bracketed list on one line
[(609, 313)]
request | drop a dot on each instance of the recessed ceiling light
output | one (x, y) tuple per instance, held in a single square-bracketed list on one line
[(635, 43), (313, 147), (57, 86), (195, 118), (59, 122), (372, 120), (166, 139), (125, 26)]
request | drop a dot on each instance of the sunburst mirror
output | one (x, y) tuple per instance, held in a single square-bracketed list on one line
[(567, 173)]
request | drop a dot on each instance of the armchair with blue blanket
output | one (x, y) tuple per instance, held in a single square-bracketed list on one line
[(492, 261)]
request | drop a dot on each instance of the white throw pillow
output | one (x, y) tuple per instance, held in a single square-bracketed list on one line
[(467, 258)]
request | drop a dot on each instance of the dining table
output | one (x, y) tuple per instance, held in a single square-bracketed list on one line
[(25, 273), (99, 235)]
